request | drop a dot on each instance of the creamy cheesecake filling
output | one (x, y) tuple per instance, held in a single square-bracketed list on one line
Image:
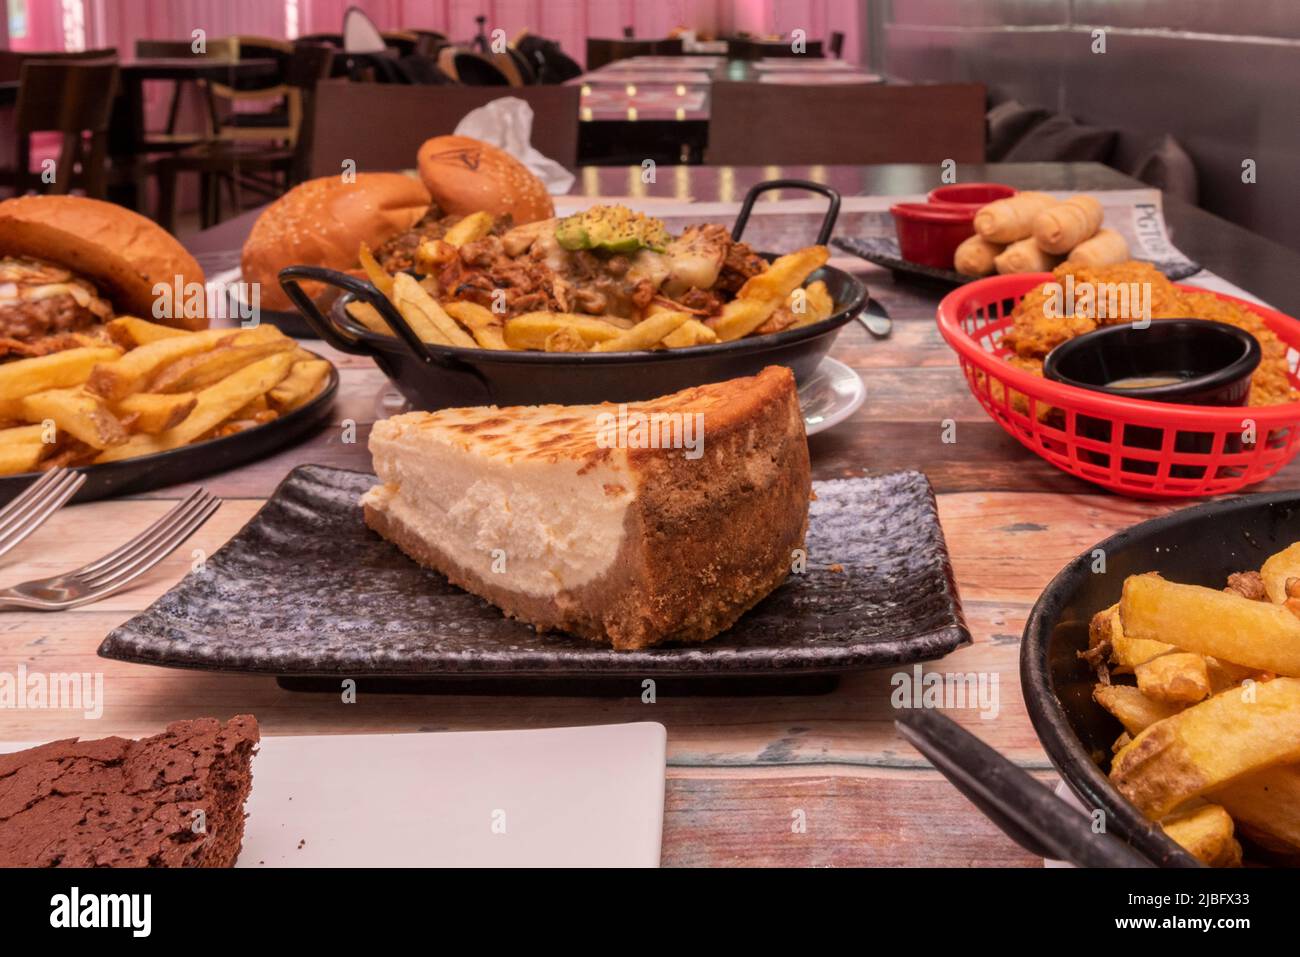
[(536, 527)]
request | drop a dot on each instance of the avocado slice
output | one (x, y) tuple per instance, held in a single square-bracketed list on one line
[(610, 229)]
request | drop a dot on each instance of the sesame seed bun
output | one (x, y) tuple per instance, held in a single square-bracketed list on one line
[(323, 222), (123, 254), (468, 176)]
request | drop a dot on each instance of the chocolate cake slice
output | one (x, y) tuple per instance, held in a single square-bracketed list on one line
[(115, 802)]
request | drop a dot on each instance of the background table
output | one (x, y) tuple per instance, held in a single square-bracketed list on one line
[(739, 767)]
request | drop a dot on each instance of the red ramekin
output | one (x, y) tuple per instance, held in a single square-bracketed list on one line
[(929, 234)]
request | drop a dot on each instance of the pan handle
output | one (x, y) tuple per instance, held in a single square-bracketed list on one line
[(828, 223), (344, 339)]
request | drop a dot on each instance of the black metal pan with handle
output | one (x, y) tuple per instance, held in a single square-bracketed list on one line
[(439, 376)]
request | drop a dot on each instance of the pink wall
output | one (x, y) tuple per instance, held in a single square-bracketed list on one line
[(120, 22)]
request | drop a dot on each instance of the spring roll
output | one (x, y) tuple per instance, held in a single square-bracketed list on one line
[(1107, 248), (1025, 256), (1060, 228), (1011, 219), (974, 257)]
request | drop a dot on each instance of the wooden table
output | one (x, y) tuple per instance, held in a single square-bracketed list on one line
[(739, 767)]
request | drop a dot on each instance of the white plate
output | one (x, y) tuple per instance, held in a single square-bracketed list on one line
[(557, 797), (833, 394)]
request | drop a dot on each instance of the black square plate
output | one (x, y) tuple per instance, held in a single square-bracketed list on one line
[(306, 590)]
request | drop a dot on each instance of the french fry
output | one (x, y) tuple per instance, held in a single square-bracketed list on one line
[(566, 339), (646, 334), (116, 378), (213, 406), (1177, 678), (485, 326), (302, 384), (764, 293), (1255, 634), (1206, 832), (1131, 707), (22, 448), (369, 317), (1266, 807), (376, 273), (817, 304), (473, 227), (432, 254), (199, 371), (78, 413), (59, 370), (1278, 569), (692, 332), (130, 332), (530, 330), (1210, 745), (429, 320), (151, 413)]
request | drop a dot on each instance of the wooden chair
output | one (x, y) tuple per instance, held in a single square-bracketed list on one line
[(75, 99), (354, 121), (837, 44), (429, 42), (754, 124), (472, 68), (264, 160), (168, 139), (11, 61)]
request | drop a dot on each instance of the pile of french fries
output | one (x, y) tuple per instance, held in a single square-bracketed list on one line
[(148, 388), (773, 301), (1211, 741)]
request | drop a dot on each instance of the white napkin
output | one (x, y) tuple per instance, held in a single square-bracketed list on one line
[(507, 124)]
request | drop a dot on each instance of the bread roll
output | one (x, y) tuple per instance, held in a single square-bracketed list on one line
[(974, 257), (1107, 248), (467, 176), (1025, 256), (1060, 228), (123, 254), (323, 222), (1011, 219)]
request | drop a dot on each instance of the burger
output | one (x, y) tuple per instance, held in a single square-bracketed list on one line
[(323, 222), (466, 176), (69, 264)]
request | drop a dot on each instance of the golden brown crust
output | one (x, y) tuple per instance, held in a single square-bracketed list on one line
[(124, 254), (467, 176), (705, 540), (323, 222)]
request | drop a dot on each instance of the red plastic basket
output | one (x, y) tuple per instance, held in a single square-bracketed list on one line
[(1136, 447)]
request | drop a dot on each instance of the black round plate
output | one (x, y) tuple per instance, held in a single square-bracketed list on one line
[(1199, 546), (288, 321), (132, 476), (883, 251)]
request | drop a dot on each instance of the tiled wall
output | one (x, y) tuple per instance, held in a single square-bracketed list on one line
[(1222, 76)]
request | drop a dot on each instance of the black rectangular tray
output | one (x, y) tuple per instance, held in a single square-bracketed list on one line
[(306, 590)]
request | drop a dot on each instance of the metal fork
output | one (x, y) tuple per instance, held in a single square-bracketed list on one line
[(119, 567), (28, 512)]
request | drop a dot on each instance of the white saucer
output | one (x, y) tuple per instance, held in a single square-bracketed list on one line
[(833, 394)]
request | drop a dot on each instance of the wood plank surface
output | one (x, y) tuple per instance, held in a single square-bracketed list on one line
[(739, 765)]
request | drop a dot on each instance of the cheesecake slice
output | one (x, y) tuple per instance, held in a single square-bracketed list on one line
[(630, 525)]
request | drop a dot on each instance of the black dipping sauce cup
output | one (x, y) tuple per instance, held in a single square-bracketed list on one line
[(1213, 362)]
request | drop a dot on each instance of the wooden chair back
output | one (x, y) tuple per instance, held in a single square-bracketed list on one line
[(356, 121), (74, 99), (11, 61)]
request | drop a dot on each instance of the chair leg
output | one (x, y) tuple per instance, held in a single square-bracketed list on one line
[(205, 200), (167, 197)]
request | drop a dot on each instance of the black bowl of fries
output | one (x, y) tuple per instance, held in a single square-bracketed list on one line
[(1170, 702), (445, 353)]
